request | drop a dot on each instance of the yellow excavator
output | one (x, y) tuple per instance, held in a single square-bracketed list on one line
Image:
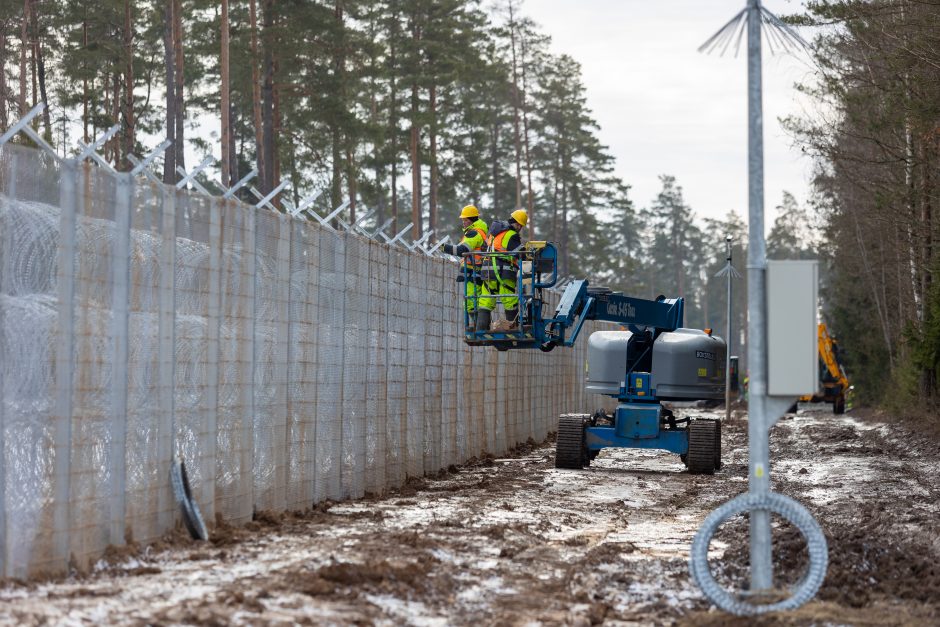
[(834, 384)]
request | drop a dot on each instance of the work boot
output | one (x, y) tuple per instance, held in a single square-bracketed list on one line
[(511, 315), (483, 320)]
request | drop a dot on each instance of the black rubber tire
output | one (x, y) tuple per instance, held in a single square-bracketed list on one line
[(570, 449), (547, 347), (702, 438), (838, 405)]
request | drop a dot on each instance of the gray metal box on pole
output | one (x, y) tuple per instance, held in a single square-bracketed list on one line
[(792, 357)]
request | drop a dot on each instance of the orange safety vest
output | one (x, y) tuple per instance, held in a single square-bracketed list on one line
[(498, 245), (477, 259)]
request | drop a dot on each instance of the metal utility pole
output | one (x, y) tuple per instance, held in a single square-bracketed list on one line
[(763, 409), (730, 272), (758, 436)]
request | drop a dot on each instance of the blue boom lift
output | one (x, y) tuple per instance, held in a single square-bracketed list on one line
[(649, 360)]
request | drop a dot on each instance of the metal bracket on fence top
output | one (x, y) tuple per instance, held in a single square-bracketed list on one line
[(191, 177), (417, 244), (91, 150), (398, 236), (304, 205), (381, 230), (326, 221), (357, 225), (142, 165), (440, 242), (337, 211), (23, 125), (266, 201), (241, 183)]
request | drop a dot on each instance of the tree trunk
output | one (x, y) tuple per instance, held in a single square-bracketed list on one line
[(393, 123), (169, 159), (432, 202), (85, 81), (128, 84), (530, 195), (117, 100), (180, 105), (336, 135), (336, 177), (32, 53), (256, 93), (39, 73), (3, 76), (494, 158), (555, 205), (379, 165), (415, 165), (563, 215), (267, 92), (395, 196), (515, 106), (276, 99), (24, 44), (224, 105), (351, 179)]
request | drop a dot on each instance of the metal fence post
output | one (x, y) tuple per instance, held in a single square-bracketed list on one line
[(65, 364), (120, 294), (167, 348)]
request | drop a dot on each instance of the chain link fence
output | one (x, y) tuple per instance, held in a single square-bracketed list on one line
[(285, 363)]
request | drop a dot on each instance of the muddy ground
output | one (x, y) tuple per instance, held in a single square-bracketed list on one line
[(513, 541)]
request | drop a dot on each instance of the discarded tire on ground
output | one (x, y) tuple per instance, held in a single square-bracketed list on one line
[(570, 449)]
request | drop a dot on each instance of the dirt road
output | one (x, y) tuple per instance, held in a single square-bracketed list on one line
[(514, 541)]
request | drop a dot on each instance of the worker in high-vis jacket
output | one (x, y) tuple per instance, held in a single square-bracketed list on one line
[(474, 239), (502, 273)]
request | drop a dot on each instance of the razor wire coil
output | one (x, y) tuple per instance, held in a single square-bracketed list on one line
[(790, 510)]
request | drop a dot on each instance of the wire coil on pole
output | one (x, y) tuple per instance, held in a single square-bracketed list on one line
[(776, 503)]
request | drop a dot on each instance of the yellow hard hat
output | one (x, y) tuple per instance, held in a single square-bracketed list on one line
[(520, 216), (469, 212)]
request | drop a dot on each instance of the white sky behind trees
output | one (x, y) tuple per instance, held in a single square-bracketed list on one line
[(665, 108)]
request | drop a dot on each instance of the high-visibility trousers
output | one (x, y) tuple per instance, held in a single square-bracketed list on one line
[(487, 289), (507, 290), (471, 289), (510, 298)]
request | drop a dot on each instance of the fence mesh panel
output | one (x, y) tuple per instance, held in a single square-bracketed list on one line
[(283, 362)]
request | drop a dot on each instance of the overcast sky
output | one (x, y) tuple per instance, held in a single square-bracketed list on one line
[(665, 108)]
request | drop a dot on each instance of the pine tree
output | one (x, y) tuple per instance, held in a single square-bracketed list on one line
[(676, 245)]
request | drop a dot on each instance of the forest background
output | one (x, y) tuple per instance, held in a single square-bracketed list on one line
[(414, 108)]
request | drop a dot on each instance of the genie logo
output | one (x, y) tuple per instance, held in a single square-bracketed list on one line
[(621, 310)]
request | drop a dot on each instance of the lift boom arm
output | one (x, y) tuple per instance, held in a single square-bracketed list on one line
[(579, 304)]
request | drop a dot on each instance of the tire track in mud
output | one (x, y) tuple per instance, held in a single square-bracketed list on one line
[(513, 540)]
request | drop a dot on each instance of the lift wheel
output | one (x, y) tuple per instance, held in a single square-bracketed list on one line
[(570, 447), (704, 456)]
